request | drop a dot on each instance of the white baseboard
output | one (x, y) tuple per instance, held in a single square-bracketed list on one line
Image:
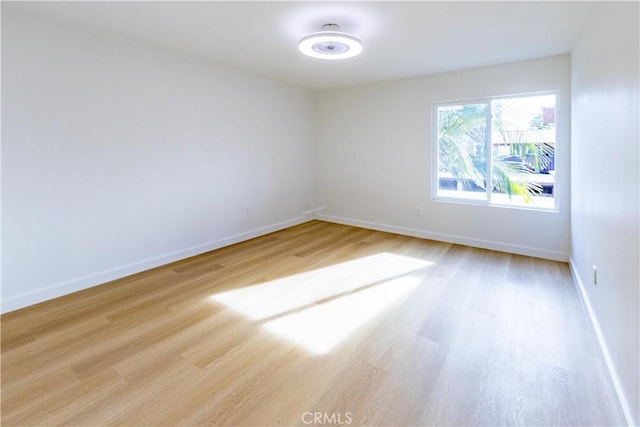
[(586, 302), (313, 212), (60, 289), (449, 238)]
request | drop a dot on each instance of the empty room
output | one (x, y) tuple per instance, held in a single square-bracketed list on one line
[(330, 213)]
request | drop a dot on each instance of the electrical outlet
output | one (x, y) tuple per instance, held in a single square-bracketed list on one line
[(246, 212), (418, 211), (595, 275)]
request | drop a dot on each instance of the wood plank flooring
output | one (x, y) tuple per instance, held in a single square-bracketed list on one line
[(318, 324)]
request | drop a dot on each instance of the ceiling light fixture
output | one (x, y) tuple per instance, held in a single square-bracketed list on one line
[(330, 43)]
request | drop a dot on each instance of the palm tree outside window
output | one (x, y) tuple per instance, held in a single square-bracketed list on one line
[(499, 151)]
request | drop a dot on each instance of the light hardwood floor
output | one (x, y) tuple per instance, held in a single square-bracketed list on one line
[(356, 325)]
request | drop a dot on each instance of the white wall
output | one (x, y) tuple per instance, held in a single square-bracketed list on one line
[(605, 189), (118, 157), (374, 157)]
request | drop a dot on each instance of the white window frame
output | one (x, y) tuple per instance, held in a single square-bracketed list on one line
[(488, 202)]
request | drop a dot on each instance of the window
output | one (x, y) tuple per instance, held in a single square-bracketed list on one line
[(499, 151)]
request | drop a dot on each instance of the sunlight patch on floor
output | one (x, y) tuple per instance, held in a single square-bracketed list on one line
[(318, 309), (323, 326)]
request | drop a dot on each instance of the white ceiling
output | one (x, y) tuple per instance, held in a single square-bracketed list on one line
[(401, 39)]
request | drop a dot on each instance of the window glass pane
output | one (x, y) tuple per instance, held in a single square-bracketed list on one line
[(523, 141), (462, 151)]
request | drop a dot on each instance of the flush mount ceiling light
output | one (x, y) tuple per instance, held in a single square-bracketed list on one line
[(330, 43)]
